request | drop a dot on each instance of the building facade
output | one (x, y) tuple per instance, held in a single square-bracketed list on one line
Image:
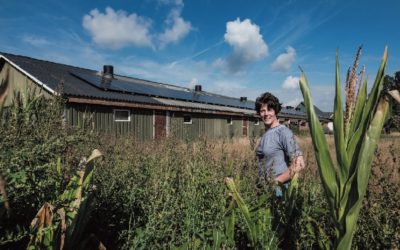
[(121, 105)]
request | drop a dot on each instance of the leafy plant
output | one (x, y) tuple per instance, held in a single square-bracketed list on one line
[(61, 226), (4, 205), (356, 138), (258, 221)]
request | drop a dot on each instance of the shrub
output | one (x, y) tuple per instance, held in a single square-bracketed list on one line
[(32, 138), (170, 194)]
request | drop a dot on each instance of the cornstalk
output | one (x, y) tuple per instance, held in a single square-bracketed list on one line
[(356, 139)]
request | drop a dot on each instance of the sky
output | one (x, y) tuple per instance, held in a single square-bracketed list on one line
[(234, 48)]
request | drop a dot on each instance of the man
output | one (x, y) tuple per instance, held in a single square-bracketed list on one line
[(278, 151)]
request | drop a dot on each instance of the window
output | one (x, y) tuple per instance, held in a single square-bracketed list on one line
[(122, 115), (229, 121), (187, 119)]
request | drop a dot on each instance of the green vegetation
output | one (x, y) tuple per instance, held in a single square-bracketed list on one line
[(356, 134), (167, 194), (61, 227)]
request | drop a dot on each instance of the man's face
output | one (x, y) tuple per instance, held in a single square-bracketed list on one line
[(268, 115)]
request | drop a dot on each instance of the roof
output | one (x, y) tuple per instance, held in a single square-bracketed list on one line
[(87, 83), (326, 115), (292, 113)]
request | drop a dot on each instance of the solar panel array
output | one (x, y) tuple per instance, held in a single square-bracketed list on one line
[(134, 86)]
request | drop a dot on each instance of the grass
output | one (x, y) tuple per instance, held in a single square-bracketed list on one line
[(171, 193), (179, 190)]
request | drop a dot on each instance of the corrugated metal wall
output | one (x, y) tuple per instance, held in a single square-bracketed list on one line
[(141, 125), (254, 129), (101, 119), (19, 82), (212, 126)]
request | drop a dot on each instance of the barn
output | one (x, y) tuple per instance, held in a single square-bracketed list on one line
[(122, 105)]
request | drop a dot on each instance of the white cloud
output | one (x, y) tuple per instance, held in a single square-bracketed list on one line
[(36, 41), (285, 60), (171, 2), (117, 29), (291, 82), (193, 83), (247, 43), (323, 96), (233, 88), (219, 63), (293, 103), (177, 28)]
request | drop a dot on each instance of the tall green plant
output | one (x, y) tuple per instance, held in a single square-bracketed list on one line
[(4, 206), (61, 226), (356, 139), (258, 220)]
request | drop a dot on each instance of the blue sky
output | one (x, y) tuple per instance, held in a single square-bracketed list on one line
[(235, 48)]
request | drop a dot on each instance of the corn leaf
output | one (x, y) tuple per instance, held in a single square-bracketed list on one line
[(374, 93), (354, 151), (345, 198), (367, 112), (338, 128), (369, 145), (94, 155), (59, 166), (353, 142), (229, 220), (42, 231), (366, 155), (377, 87), (371, 125), (243, 209), (81, 205), (291, 195), (360, 103), (324, 160), (355, 123), (79, 222), (217, 240)]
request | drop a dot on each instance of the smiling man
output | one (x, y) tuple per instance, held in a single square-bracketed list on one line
[(278, 152)]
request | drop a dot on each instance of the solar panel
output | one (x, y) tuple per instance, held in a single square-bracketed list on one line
[(137, 86)]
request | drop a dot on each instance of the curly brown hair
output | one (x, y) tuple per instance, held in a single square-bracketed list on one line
[(271, 101)]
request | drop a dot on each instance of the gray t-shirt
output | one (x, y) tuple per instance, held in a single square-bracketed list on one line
[(276, 149)]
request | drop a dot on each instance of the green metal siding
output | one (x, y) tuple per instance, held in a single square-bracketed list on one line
[(19, 82), (211, 126), (101, 119), (236, 128), (255, 130)]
